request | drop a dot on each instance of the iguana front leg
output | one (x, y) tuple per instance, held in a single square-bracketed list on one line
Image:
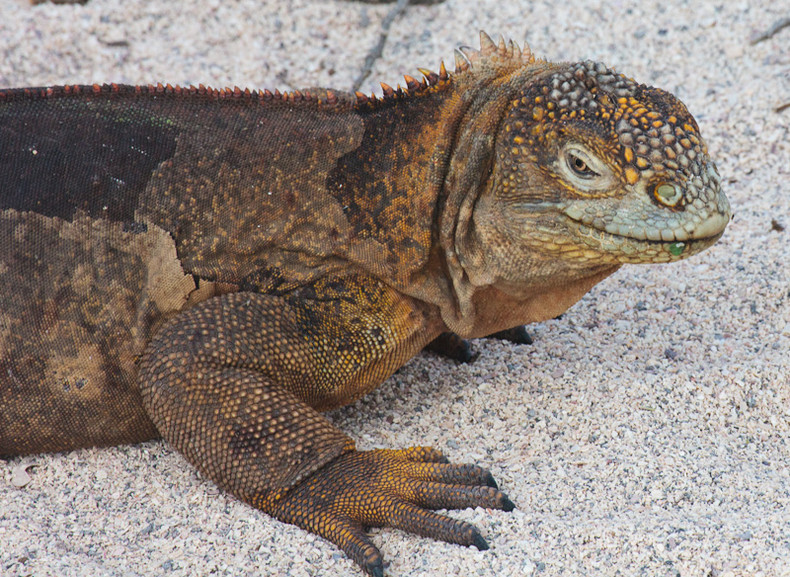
[(236, 384)]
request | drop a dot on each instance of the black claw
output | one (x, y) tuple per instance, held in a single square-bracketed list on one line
[(507, 504), (479, 542), (490, 482), (524, 337), (371, 560), (376, 569), (471, 358)]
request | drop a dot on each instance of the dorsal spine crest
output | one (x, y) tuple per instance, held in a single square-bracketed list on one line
[(466, 59)]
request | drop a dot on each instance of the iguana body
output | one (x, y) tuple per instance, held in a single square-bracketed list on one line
[(220, 266)]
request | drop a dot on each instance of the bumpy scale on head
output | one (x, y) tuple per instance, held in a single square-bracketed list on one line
[(622, 163)]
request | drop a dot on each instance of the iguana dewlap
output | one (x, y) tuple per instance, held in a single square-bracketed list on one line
[(218, 267)]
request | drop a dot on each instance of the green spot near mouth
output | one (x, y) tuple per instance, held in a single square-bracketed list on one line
[(677, 248)]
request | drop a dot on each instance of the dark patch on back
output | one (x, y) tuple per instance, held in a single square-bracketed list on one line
[(369, 181), (267, 279), (60, 157), (135, 227), (357, 181)]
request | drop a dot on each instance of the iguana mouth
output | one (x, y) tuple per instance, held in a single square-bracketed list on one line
[(635, 242), (711, 227)]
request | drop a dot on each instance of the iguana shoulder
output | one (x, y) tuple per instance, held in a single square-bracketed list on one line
[(218, 267)]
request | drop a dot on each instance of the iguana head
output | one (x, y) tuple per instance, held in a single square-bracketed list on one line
[(589, 170)]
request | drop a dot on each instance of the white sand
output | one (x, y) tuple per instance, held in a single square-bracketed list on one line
[(645, 433)]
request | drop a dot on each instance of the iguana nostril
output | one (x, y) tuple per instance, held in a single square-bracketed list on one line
[(667, 194)]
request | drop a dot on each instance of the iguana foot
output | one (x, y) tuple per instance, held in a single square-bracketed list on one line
[(452, 346), (389, 488), (517, 335)]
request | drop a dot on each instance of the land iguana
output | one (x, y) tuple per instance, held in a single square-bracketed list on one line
[(218, 267)]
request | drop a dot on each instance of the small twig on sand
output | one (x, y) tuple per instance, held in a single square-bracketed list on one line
[(376, 51), (776, 27)]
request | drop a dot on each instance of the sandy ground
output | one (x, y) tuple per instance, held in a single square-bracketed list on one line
[(644, 433)]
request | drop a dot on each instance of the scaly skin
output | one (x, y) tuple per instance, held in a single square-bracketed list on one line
[(218, 267)]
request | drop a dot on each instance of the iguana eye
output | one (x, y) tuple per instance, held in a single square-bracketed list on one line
[(583, 169), (579, 166)]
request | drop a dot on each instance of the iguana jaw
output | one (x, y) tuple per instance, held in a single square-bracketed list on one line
[(634, 245), (606, 233)]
